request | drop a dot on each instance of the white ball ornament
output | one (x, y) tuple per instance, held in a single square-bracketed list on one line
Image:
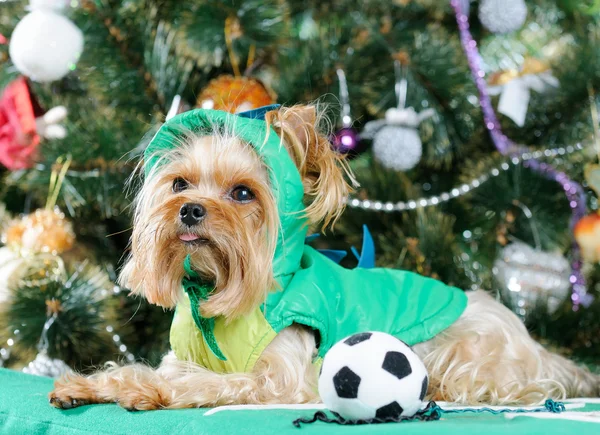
[(372, 375), (398, 148), (396, 141), (503, 16), (45, 45), (57, 5)]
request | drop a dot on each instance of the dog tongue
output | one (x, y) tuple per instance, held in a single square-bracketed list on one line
[(188, 237)]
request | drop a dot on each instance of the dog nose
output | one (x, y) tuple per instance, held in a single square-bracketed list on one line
[(191, 214)]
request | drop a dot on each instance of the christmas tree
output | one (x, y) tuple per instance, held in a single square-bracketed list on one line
[(472, 128)]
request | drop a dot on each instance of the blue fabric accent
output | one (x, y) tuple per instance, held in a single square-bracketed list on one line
[(333, 254), (366, 259), (311, 237), (258, 113)]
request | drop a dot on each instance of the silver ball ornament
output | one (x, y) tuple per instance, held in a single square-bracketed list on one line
[(529, 278), (398, 147), (502, 16), (43, 365)]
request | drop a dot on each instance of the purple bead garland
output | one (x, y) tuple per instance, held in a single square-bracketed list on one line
[(504, 145)]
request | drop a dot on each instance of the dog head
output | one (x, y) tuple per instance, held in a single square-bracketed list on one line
[(210, 194)]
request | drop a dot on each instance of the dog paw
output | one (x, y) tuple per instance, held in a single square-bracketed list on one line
[(65, 402), (71, 391), (142, 399), (140, 404)]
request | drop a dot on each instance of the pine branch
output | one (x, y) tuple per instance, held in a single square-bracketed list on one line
[(77, 335)]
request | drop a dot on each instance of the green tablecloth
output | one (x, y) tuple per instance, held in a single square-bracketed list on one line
[(24, 410)]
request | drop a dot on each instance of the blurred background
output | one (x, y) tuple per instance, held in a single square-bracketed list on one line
[(472, 127)]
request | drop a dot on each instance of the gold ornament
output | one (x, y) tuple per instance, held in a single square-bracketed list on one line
[(530, 66), (43, 231), (235, 94), (587, 235)]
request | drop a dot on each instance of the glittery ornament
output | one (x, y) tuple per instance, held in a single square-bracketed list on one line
[(45, 46), (587, 234), (235, 94), (43, 365), (529, 278), (502, 16), (396, 141), (41, 231), (33, 242), (397, 147)]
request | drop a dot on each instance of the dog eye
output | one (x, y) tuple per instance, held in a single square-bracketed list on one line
[(179, 185), (241, 194)]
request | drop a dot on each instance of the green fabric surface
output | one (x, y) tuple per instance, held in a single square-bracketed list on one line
[(24, 409)]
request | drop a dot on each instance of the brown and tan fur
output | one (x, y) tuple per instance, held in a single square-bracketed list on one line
[(487, 356)]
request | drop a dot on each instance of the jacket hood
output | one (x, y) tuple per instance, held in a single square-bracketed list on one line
[(285, 180)]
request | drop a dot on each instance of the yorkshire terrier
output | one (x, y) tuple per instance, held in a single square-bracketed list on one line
[(208, 202)]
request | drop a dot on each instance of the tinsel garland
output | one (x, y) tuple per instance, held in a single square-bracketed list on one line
[(505, 146)]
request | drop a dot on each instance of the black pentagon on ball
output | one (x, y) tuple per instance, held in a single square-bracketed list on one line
[(346, 383), (357, 338), (397, 364), (391, 410), (423, 388)]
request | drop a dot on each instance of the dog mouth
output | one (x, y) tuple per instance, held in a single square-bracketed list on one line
[(193, 239)]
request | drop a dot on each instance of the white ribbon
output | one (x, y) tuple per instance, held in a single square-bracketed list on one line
[(515, 95)]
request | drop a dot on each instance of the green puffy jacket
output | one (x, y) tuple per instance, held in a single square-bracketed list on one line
[(315, 291)]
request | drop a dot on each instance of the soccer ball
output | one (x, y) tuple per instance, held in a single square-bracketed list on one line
[(372, 375)]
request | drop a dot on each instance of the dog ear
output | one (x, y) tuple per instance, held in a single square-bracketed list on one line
[(153, 269), (325, 173), (158, 281)]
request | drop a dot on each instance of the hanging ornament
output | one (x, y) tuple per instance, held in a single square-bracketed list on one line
[(45, 45), (43, 365), (530, 278), (587, 235), (502, 16), (23, 123), (396, 141), (514, 87), (346, 138), (35, 240), (235, 94)]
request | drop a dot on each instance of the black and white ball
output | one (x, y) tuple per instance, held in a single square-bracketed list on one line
[(372, 375)]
